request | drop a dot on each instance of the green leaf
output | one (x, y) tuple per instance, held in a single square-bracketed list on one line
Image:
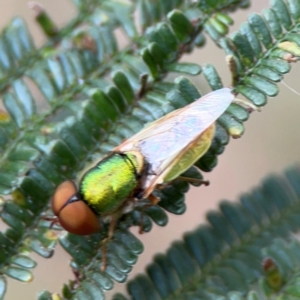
[(57, 72), (282, 13), (245, 50), (15, 109), (260, 29), (219, 26), (44, 20), (262, 85), (117, 98), (2, 287), (188, 68), (294, 9), (268, 73), (148, 59), (19, 274), (123, 84), (278, 65), (23, 152), (181, 25), (45, 84), (103, 102), (165, 39), (273, 23), (253, 39), (257, 97), (5, 58), (23, 261)]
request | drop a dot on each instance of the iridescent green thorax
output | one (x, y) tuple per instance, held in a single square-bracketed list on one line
[(106, 186)]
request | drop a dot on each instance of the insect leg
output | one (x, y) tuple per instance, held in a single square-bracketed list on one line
[(153, 199), (52, 219), (111, 230)]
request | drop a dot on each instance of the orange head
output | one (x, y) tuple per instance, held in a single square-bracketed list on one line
[(73, 213)]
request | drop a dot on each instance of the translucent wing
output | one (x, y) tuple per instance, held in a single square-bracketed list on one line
[(163, 140)]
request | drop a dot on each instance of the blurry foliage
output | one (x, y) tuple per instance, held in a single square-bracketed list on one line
[(96, 95)]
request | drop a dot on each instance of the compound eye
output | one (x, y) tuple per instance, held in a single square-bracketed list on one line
[(76, 216), (61, 196)]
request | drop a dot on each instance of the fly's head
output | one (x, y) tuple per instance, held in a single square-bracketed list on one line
[(73, 213)]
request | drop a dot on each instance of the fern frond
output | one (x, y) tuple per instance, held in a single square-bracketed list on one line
[(259, 53), (225, 257)]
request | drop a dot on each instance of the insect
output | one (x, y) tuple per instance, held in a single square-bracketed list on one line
[(155, 156)]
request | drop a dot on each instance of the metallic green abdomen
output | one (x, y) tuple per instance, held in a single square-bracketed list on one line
[(106, 186)]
